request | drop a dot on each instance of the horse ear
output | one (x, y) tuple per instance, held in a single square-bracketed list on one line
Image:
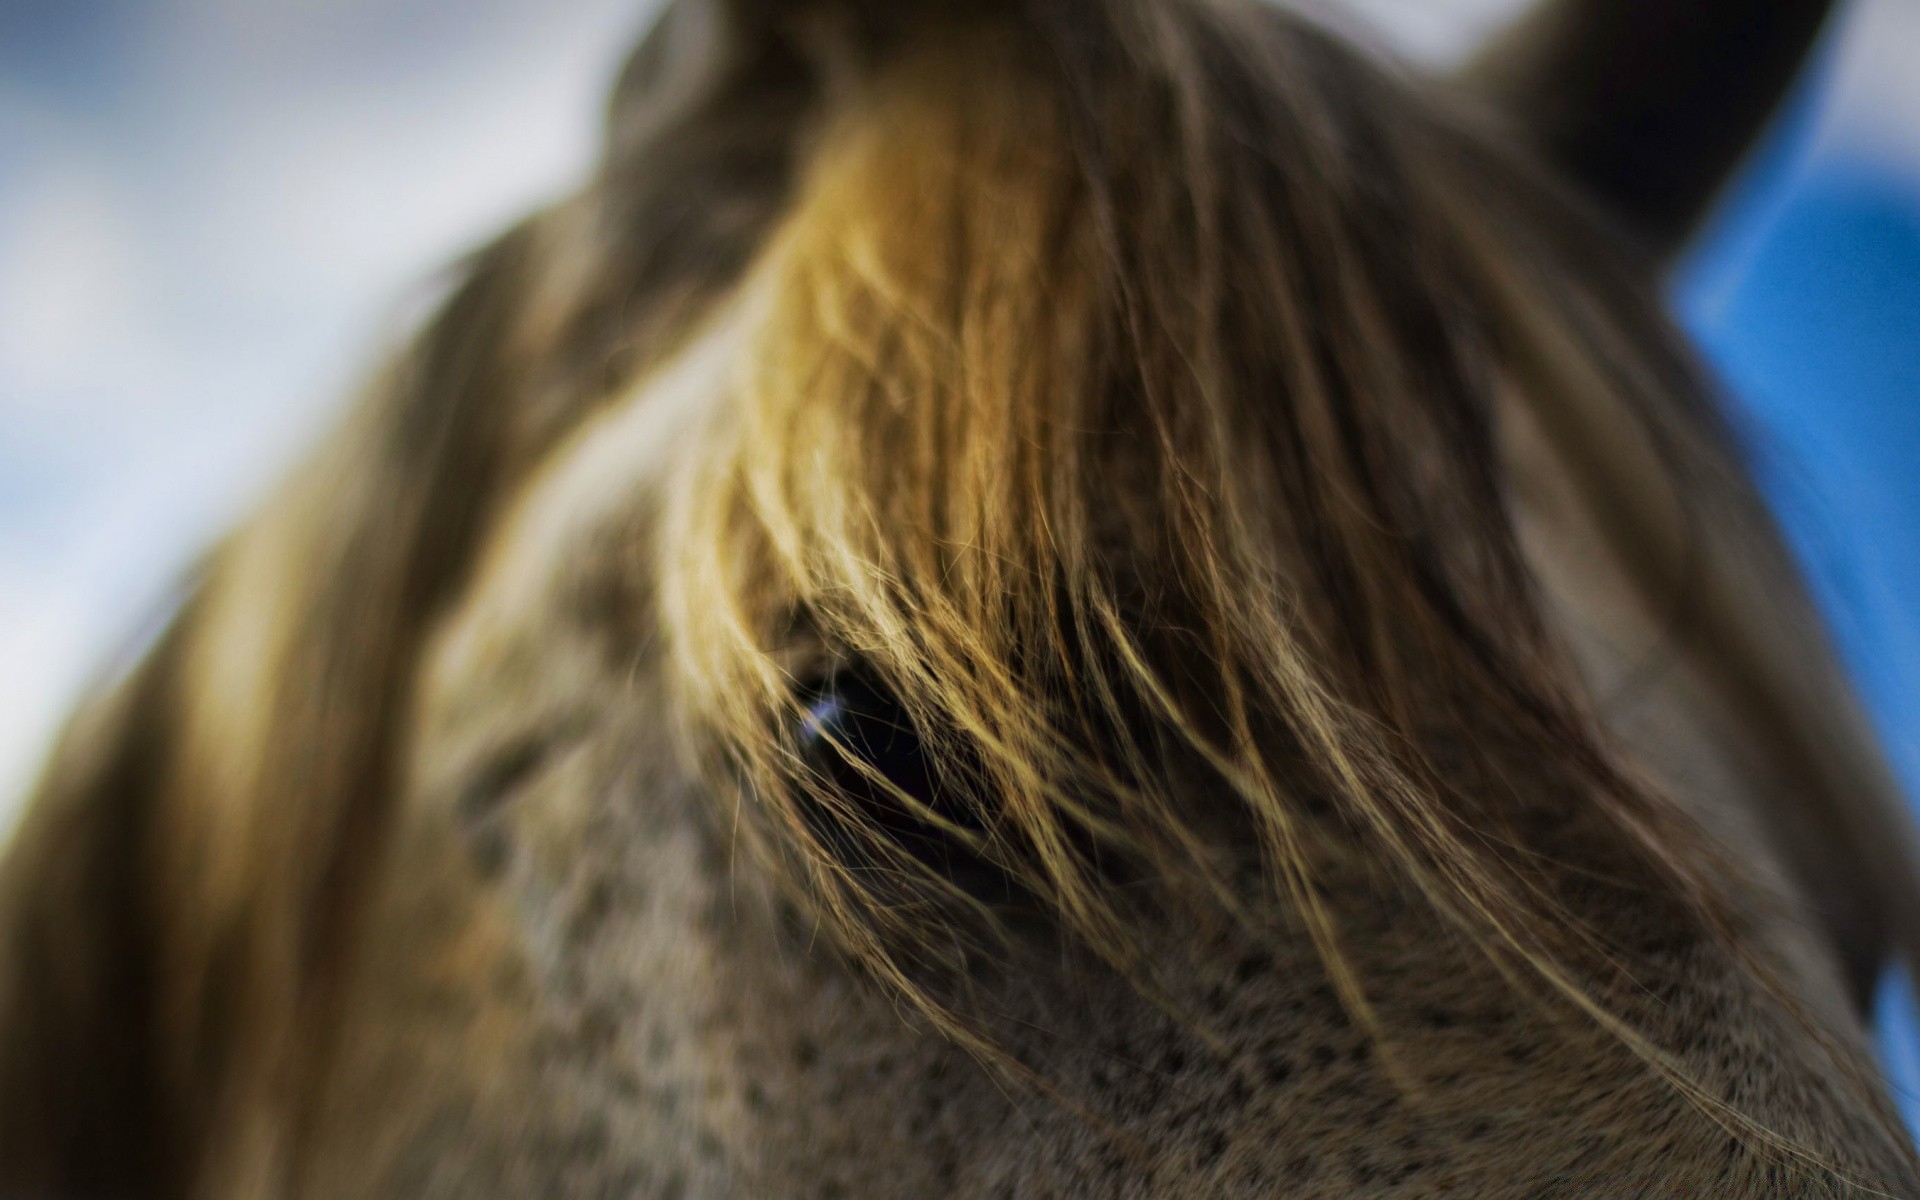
[(697, 49), (81, 1109), (692, 50), (1647, 104)]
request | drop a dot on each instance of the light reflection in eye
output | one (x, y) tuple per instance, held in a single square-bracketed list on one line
[(824, 714)]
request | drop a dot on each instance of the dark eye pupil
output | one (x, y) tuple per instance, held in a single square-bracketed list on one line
[(852, 730), (869, 726)]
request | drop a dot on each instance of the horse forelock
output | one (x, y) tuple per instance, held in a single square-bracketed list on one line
[(1135, 422)]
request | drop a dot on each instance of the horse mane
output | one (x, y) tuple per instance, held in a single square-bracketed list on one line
[(1124, 398)]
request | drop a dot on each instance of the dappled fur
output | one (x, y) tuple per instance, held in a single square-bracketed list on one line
[(1144, 394)]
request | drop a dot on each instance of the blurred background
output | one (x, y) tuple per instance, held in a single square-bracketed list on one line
[(215, 213)]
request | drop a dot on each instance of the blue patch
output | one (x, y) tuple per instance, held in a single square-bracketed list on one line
[(1806, 298)]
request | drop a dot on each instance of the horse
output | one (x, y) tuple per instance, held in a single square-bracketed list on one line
[(1019, 598)]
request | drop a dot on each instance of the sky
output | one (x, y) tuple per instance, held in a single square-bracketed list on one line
[(214, 214)]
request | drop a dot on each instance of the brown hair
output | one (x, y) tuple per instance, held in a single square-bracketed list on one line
[(1126, 399)]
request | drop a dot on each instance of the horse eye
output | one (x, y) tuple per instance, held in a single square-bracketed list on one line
[(852, 730), (848, 719)]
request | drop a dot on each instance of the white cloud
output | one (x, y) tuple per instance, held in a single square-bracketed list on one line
[(1872, 114), (71, 275), (65, 278)]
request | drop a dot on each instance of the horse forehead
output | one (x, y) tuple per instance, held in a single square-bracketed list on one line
[(599, 483)]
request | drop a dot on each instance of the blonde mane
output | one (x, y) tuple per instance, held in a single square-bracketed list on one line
[(1131, 415)]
